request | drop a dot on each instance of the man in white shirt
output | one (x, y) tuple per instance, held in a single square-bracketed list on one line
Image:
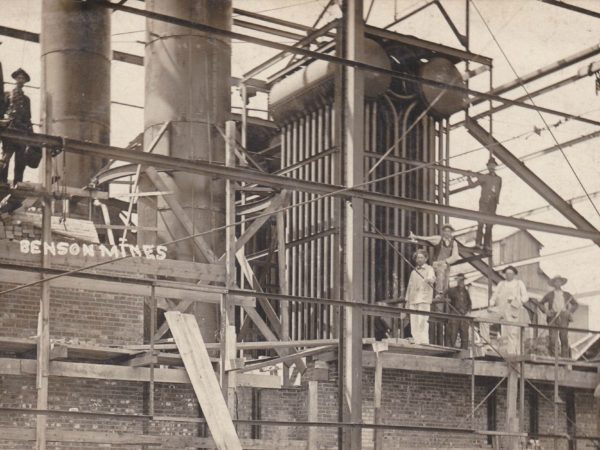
[(419, 295), (509, 292), (445, 253)]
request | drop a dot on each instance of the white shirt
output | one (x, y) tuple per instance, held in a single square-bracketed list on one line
[(505, 289), (420, 285)]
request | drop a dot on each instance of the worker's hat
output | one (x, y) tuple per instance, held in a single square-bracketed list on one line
[(513, 268), (460, 276), (492, 161), (447, 226), (557, 279), (20, 71)]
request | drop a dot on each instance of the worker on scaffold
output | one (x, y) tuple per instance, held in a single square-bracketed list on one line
[(419, 295), (460, 304), (491, 185), (445, 253), (559, 306), (18, 115)]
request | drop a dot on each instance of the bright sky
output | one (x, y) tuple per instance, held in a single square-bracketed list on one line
[(532, 34)]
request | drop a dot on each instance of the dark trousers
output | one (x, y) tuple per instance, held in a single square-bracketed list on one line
[(484, 238), (454, 329), (436, 326), (8, 149), (561, 335)]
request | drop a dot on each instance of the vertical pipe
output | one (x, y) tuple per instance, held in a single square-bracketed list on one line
[(75, 58), (187, 82), (153, 325)]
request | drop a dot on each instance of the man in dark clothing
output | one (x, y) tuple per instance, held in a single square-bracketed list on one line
[(460, 303), (491, 184), (18, 114), (559, 306)]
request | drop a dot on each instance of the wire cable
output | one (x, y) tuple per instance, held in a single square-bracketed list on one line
[(537, 110)]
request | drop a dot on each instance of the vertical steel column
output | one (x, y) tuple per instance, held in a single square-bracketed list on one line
[(43, 338), (352, 124), (227, 326), (187, 82), (75, 58)]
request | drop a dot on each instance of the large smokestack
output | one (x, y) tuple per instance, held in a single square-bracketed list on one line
[(187, 83), (76, 55)]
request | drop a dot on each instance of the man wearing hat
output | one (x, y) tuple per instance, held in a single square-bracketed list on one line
[(509, 293), (18, 113), (491, 184), (460, 303), (559, 306), (419, 295), (445, 253)]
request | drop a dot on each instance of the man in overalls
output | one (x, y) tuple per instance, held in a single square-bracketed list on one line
[(444, 254)]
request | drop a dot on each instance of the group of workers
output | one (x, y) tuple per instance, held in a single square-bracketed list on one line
[(15, 113), (428, 291)]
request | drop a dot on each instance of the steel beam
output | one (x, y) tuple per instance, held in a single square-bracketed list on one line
[(570, 7), (283, 182), (342, 61), (544, 71), (529, 177), (352, 133)]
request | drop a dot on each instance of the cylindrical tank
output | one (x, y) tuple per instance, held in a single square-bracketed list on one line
[(187, 83), (75, 57), (314, 84)]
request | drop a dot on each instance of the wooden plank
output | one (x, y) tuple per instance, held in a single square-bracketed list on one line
[(181, 215), (313, 414), (197, 363), (268, 333), (285, 358), (142, 267), (183, 306), (121, 438), (277, 203)]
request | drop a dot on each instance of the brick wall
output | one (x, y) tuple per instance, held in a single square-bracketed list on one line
[(75, 315)]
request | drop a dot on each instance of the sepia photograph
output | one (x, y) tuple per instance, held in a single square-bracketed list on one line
[(300, 224)]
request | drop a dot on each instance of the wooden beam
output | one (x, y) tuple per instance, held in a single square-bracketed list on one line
[(285, 358), (122, 438), (181, 307), (145, 359), (181, 215), (197, 363), (64, 369), (313, 414), (378, 347), (268, 333)]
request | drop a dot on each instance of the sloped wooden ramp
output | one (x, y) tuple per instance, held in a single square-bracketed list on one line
[(186, 333)]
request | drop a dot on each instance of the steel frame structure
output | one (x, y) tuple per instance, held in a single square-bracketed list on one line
[(349, 191)]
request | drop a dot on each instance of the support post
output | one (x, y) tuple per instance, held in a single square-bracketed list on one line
[(283, 284), (352, 124), (512, 420), (313, 414), (378, 433), (227, 331), (43, 344)]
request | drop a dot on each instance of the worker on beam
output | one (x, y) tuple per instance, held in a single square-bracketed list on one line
[(18, 117), (491, 185), (445, 253)]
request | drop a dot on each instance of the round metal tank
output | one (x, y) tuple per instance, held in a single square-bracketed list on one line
[(451, 101), (76, 57), (313, 85)]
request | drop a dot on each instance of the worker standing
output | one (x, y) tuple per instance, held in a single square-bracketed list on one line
[(559, 306), (18, 115), (419, 295), (445, 253), (491, 185), (460, 304)]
